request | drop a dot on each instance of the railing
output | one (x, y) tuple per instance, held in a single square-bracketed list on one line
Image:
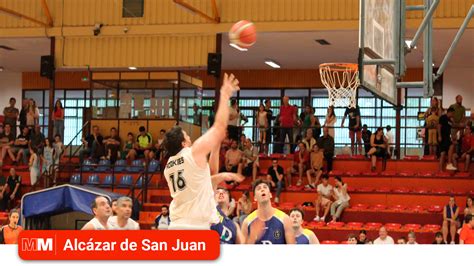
[(69, 145)]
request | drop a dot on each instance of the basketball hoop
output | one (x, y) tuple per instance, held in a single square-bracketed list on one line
[(342, 81)]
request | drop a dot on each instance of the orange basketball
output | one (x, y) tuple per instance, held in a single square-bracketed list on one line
[(243, 34)]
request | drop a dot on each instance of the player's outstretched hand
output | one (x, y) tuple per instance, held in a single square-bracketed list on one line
[(229, 85)]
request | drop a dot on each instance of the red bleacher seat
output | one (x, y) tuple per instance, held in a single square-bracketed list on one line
[(343, 156), (435, 208), (353, 173), (388, 173), (335, 224), (287, 205), (439, 191), (359, 157), (401, 190), (375, 226), (294, 188), (411, 158), (432, 227), (412, 226), (426, 173), (365, 189), (421, 190), (398, 208), (416, 208), (462, 174), (336, 172), (369, 173), (317, 224), (443, 174), (344, 242), (379, 207), (330, 242), (3, 214), (309, 189), (360, 207), (351, 189), (393, 226), (459, 192), (383, 189), (428, 157), (354, 225), (407, 173)]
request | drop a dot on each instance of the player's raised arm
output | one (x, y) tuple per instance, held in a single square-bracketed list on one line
[(214, 136)]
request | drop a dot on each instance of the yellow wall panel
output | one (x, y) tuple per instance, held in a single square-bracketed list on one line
[(139, 51)]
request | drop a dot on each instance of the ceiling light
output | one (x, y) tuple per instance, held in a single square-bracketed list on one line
[(272, 63), (322, 42), (1, 69), (132, 68), (238, 47)]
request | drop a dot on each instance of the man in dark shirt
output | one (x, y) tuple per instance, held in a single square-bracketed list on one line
[(326, 142), (269, 111), (112, 145), (11, 190), (275, 175), (366, 138), (23, 112), (20, 147), (445, 141), (92, 144), (37, 139), (6, 141), (11, 115), (354, 127)]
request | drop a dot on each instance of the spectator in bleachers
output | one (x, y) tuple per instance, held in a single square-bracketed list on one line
[(352, 239), (446, 146), (243, 120), (23, 112), (6, 142), (233, 158), (242, 140), (122, 220), (341, 199), (268, 137), (144, 143), (261, 123), (459, 117), (162, 221), (92, 145), (308, 140), (325, 191), (11, 191), (112, 145), (250, 162), (20, 147), (276, 178), (58, 119), (37, 138), (467, 149), (196, 115), (315, 166), (212, 115), (102, 212), (34, 165), (378, 143), (435, 103), (363, 238), (287, 121), (450, 220), (467, 233), (308, 121), (326, 143), (366, 134), (402, 241), (411, 238), (299, 165), (469, 207), (438, 239), (432, 130), (58, 149), (244, 207), (390, 141), (128, 150), (11, 115), (158, 148), (330, 120), (47, 157), (384, 238), (12, 230), (303, 236), (354, 128), (233, 124), (32, 116), (113, 205)]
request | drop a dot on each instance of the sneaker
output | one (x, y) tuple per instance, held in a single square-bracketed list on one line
[(452, 243), (323, 219), (317, 219), (298, 183), (277, 200), (451, 167)]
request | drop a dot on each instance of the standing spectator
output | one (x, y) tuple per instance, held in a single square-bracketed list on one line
[(233, 125), (438, 239), (23, 112), (390, 141), (432, 128), (459, 117), (34, 166), (243, 120), (11, 191), (366, 134), (384, 238), (32, 117), (330, 120), (144, 143), (287, 122), (354, 127), (299, 164), (411, 238), (262, 125), (467, 148), (47, 157), (233, 158), (20, 146), (112, 145), (244, 207), (324, 198), (308, 140), (326, 143), (316, 166), (435, 103), (467, 233), (7, 139), (308, 119), (450, 220), (341, 198), (250, 162), (163, 220), (58, 119), (12, 230), (58, 149), (378, 149), (269, 112), (276, 179), (92, 144), (196, 115), (446, 146), (11, 115)]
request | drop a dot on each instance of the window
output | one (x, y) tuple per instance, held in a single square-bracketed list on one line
[(133, 8)]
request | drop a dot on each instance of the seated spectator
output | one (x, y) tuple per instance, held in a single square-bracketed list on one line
[(12, 230), (326, 143), (276, 179), (128, 151), (366, 134), (341, 199), (384, 238), (144, 143), (233, 158), (123, 221), (20, 146), (438, 239), (316, 166), (467, 233), (450, 220), (112, 145), (250, 161), (37, 138), (163, 220), (157, 150), (11, 191), (244, 208), (242, 141), (352, 239), (411, 238), (309, 141), (299, 164), (6, 141), (92, 145), (469, 207), (226, 142), (363, 238), (324, 198), (467, 149), (402, 241), (390, 141), (378, 149)]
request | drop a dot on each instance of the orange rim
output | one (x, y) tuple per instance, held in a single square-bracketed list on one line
[(340, 66)]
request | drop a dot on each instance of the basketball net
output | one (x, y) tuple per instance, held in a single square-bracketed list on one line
[(342, 81)]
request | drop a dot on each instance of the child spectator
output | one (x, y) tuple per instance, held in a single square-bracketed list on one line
[(128, 151), (432, 126), (316, 166), (48, 156), (58, 147), (299, 165), (262, 124), (34, 165)]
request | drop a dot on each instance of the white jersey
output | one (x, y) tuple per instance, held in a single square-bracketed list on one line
[(96, 224), (193, 205), (131, 224)]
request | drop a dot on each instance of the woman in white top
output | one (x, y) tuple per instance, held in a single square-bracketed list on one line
[(32, 117), (262, 124), (330, 120), (341, 199)]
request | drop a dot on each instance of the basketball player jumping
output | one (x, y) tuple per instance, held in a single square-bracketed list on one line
[(187, 170)]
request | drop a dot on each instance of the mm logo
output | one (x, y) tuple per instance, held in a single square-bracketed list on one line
[(37, 244)]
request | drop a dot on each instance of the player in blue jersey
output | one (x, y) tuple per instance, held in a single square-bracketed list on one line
[(302, 235), (229, 231), (266, 225)]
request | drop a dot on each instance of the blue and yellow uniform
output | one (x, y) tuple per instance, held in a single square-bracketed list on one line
[(226, 228), (303, 239), (274, 228)]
